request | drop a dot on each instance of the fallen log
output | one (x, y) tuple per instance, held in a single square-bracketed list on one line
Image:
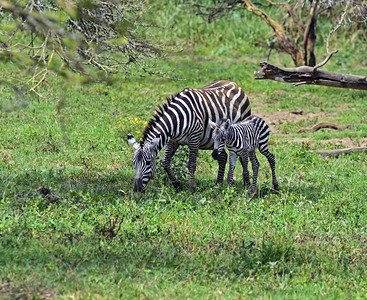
[(311, 75), (336, 153), (322, 125)]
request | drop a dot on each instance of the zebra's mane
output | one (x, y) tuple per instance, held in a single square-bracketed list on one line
[(151, 123)]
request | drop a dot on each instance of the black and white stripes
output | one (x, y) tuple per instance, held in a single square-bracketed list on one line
[(242, 139), (183, 120)]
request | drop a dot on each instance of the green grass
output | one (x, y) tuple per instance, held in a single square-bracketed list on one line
[(92, 237)]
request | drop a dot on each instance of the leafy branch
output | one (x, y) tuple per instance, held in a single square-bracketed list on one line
[(46, 37)]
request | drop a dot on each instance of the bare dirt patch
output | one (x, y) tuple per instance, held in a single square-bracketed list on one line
[(9, 290), (279, 117), (274, 119), (343, 142), (5, 156)]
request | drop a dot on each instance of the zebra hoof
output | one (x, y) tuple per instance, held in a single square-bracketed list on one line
[(276, 189), (219, 182), (192, 189), (178, 186)]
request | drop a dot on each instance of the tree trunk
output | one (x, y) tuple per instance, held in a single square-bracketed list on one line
[(311, 75), (309, 38)]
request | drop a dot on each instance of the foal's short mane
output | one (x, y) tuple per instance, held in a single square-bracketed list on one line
[(222, 121)]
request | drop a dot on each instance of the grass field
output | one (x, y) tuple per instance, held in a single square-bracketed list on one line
[(71, 226)]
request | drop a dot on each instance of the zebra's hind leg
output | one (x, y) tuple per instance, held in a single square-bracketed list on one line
[(255, 169), (245, 172), (222, 161), (271, 159), (171, 149)]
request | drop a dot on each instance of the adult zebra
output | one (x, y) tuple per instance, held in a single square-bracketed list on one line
[(184, 120)]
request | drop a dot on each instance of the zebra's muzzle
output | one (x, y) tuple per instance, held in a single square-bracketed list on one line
[(215, 154), (138, 186)]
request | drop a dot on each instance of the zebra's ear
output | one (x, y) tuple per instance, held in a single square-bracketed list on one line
[(154, 143), (212, 124), (227, 124), (132, 141)]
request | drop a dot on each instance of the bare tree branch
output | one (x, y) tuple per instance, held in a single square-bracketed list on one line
[(324, 61)]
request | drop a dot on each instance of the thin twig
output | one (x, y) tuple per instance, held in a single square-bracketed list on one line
[(324, 61), (341, 20), (271, 46), (291, 13)]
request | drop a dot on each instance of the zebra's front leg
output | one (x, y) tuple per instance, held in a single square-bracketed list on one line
[(192, 165), (255, 170), (232, 165), (171, 149), (245, 172), (222, 161)]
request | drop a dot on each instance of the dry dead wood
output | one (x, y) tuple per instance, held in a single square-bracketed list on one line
[(336, 153), (321, 125), (311, 75)]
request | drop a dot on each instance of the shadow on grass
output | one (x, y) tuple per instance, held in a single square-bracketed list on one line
[(63, 183)]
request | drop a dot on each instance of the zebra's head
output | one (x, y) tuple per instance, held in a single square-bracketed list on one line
[(144, 162), (219, 135)]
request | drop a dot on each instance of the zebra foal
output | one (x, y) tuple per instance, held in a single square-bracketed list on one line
[(242, 139), (183, 120)]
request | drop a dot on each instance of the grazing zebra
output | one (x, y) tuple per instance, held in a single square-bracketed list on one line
[(242, 139), (183, 120)]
